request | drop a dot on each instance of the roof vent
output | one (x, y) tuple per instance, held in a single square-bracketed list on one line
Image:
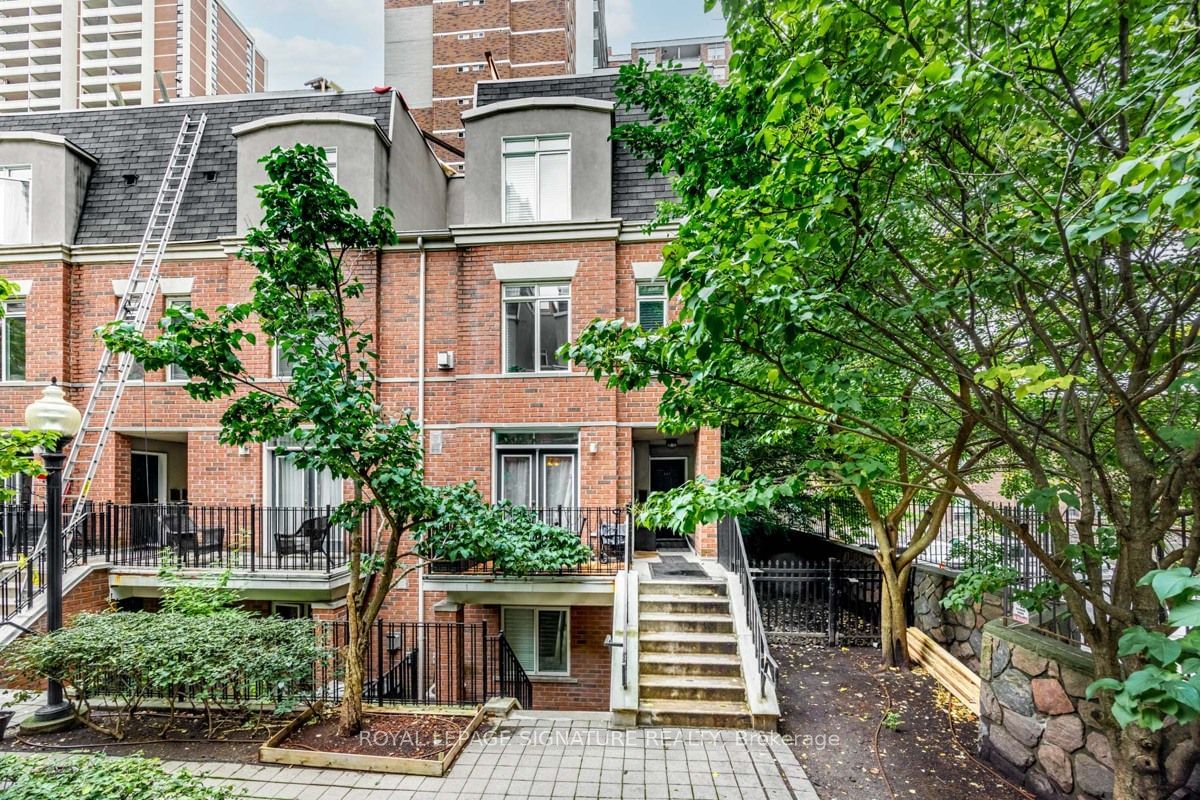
[(130, 180), (210, 176)]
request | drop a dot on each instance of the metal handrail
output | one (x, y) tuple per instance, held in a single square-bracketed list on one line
[(731, 554), (629, 534)]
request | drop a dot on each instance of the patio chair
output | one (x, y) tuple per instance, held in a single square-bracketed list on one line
[(310, 538), (612, 540), (184, 535)]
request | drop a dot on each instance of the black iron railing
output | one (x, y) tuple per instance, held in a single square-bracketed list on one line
[(425, 663), (243, 538), (605, 531), (731, 553), (407, 663)]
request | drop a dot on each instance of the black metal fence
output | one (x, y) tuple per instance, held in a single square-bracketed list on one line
[(603, 530), (731, 554), (407, 663), (830, 600), (426, 663)]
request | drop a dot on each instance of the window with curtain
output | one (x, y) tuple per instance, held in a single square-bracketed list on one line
[(539, 637), (537, 322), (651, 305), (293, 487), (537, 178), (16, 187), (176, 373), (12, 341), (538, 470)]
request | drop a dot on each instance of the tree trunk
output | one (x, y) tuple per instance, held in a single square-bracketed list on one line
[(352, 686), (893, 621), (1139, 772)]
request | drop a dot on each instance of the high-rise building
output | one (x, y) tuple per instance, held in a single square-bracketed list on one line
[(711, 51), (437, 50), (67, 54)]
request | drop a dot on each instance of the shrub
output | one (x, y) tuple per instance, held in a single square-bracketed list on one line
[(98, 777), (229, 660)]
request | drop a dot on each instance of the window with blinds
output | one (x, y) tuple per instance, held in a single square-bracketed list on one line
[(539, 638), (537, 178), (651, 306)]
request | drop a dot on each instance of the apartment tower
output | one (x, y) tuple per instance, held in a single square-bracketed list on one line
[(69, 54), (437, 50)]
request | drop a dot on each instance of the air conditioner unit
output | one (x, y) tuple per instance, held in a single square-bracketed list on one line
[(446, 360)]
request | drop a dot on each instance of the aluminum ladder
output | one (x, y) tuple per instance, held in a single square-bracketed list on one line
[(112, 374)]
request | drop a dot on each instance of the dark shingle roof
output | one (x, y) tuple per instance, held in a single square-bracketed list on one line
[(138, 141), (635, 194)]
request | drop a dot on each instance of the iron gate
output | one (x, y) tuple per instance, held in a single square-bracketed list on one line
[(820, 599)]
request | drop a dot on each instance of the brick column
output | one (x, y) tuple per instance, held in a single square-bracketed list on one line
[(708, 465)]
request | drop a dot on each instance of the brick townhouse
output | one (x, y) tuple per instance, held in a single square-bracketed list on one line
[(496, 268)]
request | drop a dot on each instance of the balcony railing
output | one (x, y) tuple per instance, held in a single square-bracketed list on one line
[(240, 538), (603, 530), (259, 539)]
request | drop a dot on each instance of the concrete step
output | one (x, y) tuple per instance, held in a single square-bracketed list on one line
[(690, 714), (720, 665), (669, 587), (687, 643), (682, 604), (685, 623), (701, 688)]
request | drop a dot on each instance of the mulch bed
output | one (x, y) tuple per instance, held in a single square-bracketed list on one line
[(184, 741), (395, 735), (827, 692)]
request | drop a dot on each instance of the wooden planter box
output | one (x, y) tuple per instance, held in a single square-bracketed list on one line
[(272, 753)]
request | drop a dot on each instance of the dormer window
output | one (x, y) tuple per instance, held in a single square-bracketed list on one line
[(537, 178), (331, 161), (16, 185)]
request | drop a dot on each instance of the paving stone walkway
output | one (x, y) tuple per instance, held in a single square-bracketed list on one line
[(549, 755), (556, 755)]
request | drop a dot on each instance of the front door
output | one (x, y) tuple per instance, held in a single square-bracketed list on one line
[(665, 474), (147, 473), (147, 488)]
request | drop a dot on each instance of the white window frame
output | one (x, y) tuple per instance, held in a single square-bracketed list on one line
[(4, 344), (303, 610), (536, 299), (717, 52), (536, 452), (275, 356), (566, 611), (638, 300), (273, 451), (6, 171), (331, 161), (537, 152), (174, 373)]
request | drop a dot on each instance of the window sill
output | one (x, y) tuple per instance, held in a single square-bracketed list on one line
[(552, 679)]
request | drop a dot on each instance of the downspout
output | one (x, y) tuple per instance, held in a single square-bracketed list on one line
[(421, 433)]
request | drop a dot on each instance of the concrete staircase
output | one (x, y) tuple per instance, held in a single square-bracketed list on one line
[(689, 671)]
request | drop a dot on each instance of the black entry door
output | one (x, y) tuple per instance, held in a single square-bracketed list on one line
[(144, 494), (143, 479), (666, 474)]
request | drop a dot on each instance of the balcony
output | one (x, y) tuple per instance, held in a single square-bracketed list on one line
[(603, 530), (267, 539)]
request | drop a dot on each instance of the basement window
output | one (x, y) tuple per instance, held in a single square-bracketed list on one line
[(540, 638)]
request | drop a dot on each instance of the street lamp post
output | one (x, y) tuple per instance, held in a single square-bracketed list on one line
[(52, 413)]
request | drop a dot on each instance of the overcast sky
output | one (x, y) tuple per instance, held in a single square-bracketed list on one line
[(343, 39)]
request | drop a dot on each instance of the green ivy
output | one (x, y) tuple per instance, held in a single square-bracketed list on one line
[(99, 777)]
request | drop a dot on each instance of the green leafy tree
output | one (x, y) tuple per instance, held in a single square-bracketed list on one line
[(17, 446), (994, 203), (307, 299)]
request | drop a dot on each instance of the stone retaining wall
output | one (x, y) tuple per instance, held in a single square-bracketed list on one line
[(1037, 727), (960, 632)]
